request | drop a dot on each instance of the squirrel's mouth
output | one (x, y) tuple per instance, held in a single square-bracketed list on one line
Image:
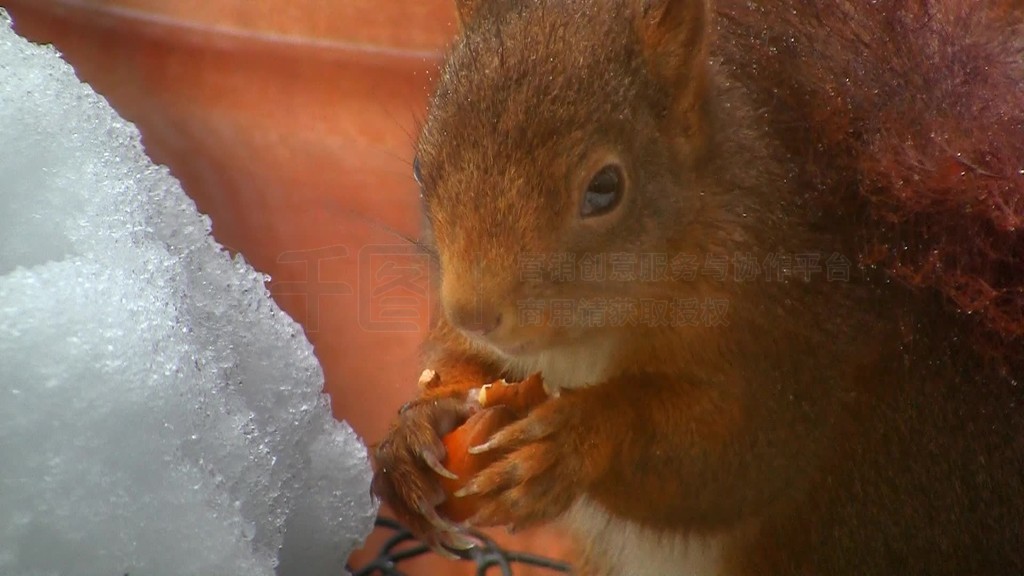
[(517, 349), (510, 347)]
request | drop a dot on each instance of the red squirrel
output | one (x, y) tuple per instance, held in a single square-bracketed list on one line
[(742, 244)]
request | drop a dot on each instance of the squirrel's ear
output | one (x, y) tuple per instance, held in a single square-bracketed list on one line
[(674, 34)]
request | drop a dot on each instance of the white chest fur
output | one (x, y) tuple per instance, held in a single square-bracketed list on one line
[(623, 548)]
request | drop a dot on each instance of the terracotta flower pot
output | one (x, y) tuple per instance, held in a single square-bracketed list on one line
[(291, 125)]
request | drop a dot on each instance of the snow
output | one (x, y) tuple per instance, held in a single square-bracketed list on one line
[(159, 414)]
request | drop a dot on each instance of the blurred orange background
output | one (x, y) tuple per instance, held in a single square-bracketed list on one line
[(291, 125)]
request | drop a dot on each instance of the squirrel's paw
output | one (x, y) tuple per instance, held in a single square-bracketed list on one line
[(407, 467), (542, 474)]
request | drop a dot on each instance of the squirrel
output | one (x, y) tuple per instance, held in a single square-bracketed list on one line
[(744, 244)]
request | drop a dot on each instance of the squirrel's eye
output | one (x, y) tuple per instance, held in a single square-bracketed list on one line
[(603, 193), (416, 170)]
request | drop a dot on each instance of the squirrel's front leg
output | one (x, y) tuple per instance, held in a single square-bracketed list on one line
[(632, 443), (554, 453)]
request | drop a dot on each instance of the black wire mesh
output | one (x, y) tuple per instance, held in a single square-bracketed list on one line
[(487, 556)]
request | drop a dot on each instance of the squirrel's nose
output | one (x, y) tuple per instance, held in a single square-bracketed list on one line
[(479, 320)]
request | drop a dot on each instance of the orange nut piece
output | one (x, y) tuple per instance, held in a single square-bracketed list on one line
[(459, 461), (521, 397)]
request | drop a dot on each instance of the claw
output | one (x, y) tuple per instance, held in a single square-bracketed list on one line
[(516, 434), (449, 539), (436, 466), (485, 447), (467, 490), (440, 550), (430, 513), (461, 542)]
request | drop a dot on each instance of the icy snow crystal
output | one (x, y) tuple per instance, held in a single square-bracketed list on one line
[(159, 414)]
